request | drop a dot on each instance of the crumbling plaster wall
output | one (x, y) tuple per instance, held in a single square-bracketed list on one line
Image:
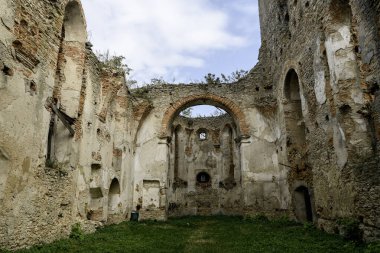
[(215, 153), (263, 182), (123, 139), (41, 200), (332, 46)]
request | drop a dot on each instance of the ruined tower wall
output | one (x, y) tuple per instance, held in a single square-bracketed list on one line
[(46, 172), (332, 47)]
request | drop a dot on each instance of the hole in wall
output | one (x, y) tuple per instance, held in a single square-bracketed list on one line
[(30, 87), (33, 87), (7, 71), (374, 87), (303, 207), (345, 109), (202, 111), (96, 166), (202, 135), (96, 193), (23, 23), (17, 44), (203, 178), (287, 17)]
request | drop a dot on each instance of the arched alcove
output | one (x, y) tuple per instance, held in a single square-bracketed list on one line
[(74, 27), (294, 120), (68, 84), (203, 179), (228, 152), (114, 197), (207, 99), (176, 150), (302, 204), (205, 157), (340, 13)]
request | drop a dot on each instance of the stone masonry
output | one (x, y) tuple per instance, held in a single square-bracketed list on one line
[(301, 136)]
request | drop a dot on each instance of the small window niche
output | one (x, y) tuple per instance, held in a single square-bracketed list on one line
[(203, 179), (30, 87), (202, 134)]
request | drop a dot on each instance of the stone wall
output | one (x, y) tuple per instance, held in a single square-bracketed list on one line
[(204, 175), (63, 122), (263, 182), (77, 146), (332, 46)]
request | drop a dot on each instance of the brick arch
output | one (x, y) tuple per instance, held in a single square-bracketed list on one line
[(209, 99)]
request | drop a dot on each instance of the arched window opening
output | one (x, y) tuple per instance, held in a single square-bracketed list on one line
[(176, 150), (302, 204), (202, 134), (295, 125), (68, 84), (203, 178), (202, 146), (74, 28), (202, 111), (228, 151), (340, 12), (114, 197)]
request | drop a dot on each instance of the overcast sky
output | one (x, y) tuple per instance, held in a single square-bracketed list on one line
[(179, 40)]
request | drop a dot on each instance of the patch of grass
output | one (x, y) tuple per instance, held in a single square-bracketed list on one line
[(207, 234)]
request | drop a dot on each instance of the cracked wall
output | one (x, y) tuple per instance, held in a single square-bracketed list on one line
[(77, 146)]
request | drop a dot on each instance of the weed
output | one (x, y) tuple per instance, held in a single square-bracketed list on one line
[(76, 232), (349, 229), (373, 248)]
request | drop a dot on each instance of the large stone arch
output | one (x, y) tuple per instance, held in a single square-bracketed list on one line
[(210, 99)]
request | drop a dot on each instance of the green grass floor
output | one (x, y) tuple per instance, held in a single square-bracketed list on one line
[(206, 234)]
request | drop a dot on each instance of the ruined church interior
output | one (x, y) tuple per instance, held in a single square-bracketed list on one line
[(298, 136)]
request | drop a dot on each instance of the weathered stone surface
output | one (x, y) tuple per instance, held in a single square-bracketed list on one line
[(301, 138)]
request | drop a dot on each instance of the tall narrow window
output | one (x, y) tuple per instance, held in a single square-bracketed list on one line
[(295, 125)]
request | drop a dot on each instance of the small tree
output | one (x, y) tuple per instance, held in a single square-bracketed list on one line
[(212, 79), (114, 61), (235, 76)]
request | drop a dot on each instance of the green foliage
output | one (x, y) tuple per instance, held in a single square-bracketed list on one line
[(373, 248), (258, 217), (212, 79), (207, 234), (76, 232), (308, 226), (234, 77), (113, 61), (349, 229), (158, 81)]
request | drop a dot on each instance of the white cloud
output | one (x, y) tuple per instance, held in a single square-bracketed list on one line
[(158, 37)]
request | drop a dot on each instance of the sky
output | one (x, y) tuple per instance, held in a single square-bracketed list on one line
[(179, 41)]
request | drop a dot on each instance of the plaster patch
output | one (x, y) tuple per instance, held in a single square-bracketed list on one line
[(319, 87), (340, 146)]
